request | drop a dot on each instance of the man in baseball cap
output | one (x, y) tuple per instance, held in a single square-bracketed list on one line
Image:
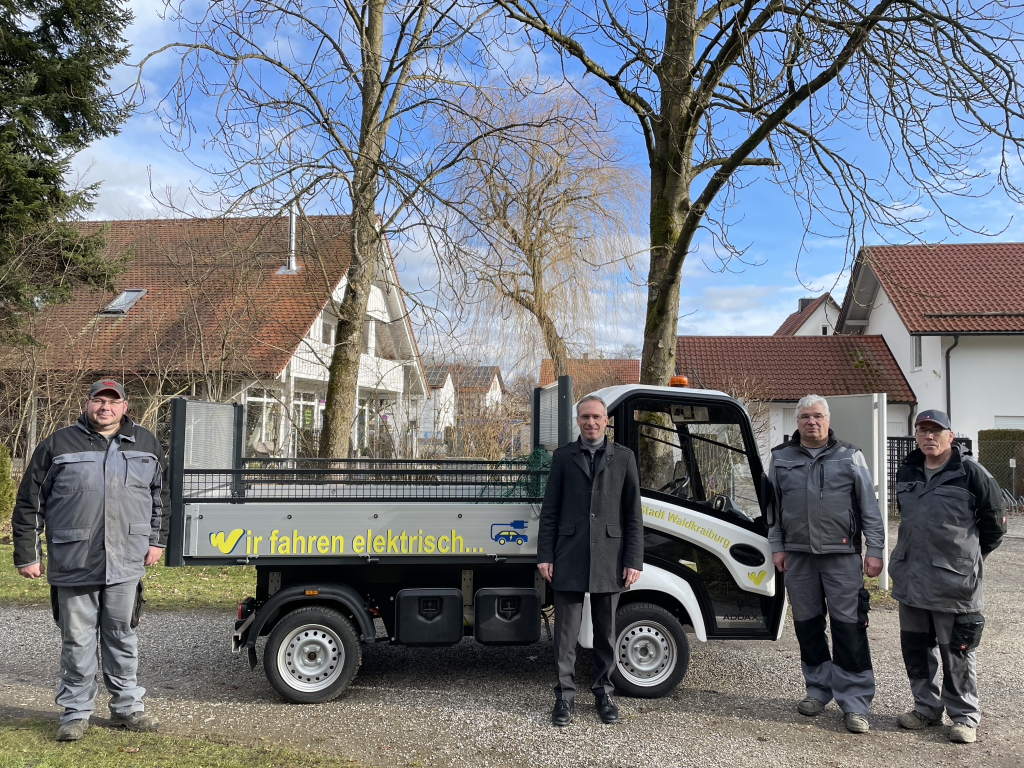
[(951, 517), (97, 490)]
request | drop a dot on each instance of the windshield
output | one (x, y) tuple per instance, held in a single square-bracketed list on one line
[(696, 453)]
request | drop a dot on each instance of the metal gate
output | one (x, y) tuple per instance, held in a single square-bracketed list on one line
[(901, 447)]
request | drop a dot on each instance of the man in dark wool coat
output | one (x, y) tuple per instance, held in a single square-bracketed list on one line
[(590, 540)]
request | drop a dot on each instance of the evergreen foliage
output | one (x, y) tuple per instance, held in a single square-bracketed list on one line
[(8, 488), (55, 62)]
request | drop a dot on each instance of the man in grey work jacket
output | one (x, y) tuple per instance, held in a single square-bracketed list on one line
[(951, 516), (826, 501), (590, 539), (97, 488)]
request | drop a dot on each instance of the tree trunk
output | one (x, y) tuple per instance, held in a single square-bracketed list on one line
[(343, 371)]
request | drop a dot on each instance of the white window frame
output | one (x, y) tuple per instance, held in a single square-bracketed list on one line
[(916, 353)]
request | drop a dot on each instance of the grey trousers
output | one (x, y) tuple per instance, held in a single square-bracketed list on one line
[(924, 637), (83, 610), (568, 616), (815, 582)]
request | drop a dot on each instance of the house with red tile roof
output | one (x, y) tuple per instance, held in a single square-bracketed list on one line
[(771, 373), (591, 374), (953, 316), (814, 317), (236, 310)]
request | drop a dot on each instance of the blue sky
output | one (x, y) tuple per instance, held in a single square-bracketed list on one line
[(751, 298)]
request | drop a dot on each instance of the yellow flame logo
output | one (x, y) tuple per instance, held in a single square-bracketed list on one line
[(226, 543), (757, 578)]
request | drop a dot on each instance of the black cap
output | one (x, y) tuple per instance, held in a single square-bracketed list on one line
[(937, 417), (105, 384)]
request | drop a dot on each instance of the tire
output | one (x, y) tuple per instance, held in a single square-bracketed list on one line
[(501, 540), (519, 541), (312, 655), (652, 652)]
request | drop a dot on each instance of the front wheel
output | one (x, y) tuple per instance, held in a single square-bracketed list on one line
[(312, 655), (652, 652)]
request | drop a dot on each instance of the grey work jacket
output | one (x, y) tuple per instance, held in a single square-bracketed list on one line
[(591, 527), (825, 502), (947, 525), (101, 504)]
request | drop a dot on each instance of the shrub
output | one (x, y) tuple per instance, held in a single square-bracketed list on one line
[(8, 488)]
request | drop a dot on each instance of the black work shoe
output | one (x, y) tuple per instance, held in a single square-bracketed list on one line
[(562, 713), (72, 730), (606, 708), (135, 721)]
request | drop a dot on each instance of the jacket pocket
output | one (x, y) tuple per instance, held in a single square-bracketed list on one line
[(953, 578), (69, 548), (140, 468), (77, 472), (839, 475), (791, 477), (614, 531), (566, 529), (138, 542)]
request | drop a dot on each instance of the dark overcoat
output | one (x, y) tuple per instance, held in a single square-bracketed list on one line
[(591, 528)]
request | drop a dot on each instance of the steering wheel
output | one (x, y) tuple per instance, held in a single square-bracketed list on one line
[(675, 484)]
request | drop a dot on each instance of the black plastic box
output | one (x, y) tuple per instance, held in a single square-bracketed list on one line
[(509, 616), (428, 617)]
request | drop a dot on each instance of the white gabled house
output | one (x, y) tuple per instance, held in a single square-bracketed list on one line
[(953, 316)]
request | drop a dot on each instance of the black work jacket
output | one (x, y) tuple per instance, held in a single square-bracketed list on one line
[(947, 525), (591, 527)]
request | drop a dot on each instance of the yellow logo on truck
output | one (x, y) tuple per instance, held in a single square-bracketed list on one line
[(226, 542), (757, 578)]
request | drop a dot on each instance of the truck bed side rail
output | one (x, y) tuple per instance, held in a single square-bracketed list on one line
[(369, 480)]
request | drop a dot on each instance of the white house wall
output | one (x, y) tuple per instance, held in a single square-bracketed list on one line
[(985, 378), (438, 410), (826, 314)]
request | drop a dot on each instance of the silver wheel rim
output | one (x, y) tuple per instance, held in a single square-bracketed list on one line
[(647, 653), (311, 658)]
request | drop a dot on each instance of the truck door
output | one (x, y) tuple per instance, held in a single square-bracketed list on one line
[(700, 476)]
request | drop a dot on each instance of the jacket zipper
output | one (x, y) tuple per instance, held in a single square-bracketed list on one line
[(821, 483)]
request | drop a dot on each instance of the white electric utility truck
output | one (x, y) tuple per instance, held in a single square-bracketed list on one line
[(440, 550)]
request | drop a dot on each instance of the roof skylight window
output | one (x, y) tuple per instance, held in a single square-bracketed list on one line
[(124, 301)]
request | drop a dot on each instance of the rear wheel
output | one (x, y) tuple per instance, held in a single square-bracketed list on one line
[(312, 655), (652, 652)]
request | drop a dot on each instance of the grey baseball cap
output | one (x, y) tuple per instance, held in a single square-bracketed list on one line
[(936, 417), (107, 384)]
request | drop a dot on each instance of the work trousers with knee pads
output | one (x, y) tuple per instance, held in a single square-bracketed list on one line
[(924, 637), (832, 583)]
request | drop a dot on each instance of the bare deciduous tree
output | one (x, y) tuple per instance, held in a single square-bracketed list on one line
[(551, 221), (328, 104), (721, 87)]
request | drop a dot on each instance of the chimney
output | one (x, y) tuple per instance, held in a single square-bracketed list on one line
[(805, 303), (291, 267)]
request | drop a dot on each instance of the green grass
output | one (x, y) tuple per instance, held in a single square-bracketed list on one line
[(30, 744), (210, 586)]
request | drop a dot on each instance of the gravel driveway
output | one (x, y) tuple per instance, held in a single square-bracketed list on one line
[(473, 706)]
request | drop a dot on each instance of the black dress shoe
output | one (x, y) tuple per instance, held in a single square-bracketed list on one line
[(562, 713), (606, 708)]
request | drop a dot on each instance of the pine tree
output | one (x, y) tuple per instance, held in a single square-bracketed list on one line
[(55, 63)]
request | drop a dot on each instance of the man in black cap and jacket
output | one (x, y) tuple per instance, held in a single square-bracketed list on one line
[(97, 489), (951, 517)]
